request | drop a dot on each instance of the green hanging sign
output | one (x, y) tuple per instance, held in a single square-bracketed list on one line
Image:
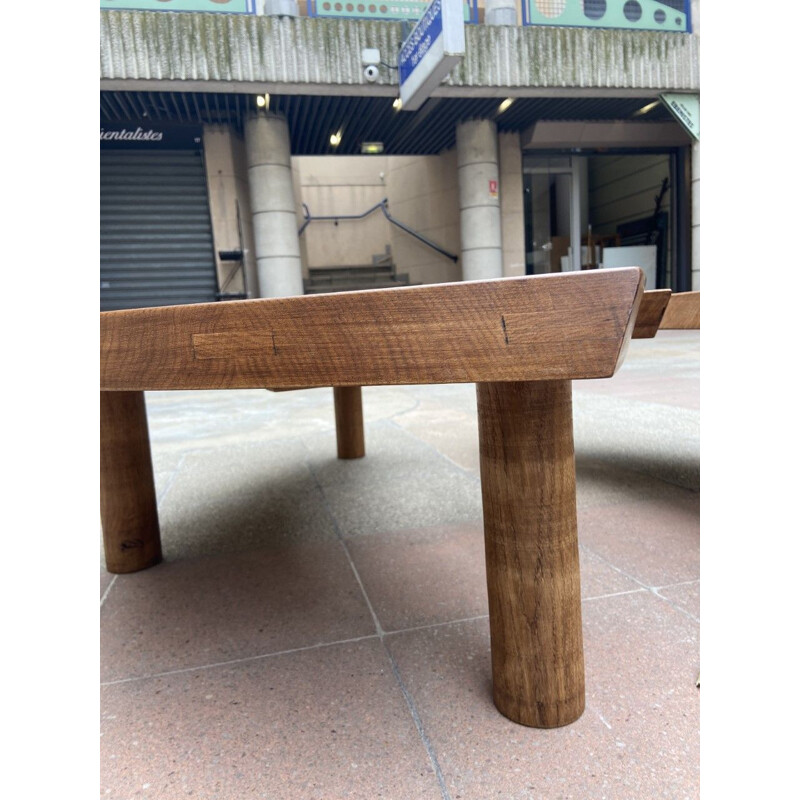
[(686, 109)]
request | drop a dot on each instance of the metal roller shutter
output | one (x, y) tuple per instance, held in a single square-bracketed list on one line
[(156, 247)]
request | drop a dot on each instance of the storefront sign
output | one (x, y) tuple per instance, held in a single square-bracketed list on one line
[(394, 9), (648, 15), (149, 134), (686, 109), (224, 6), (434, 47)]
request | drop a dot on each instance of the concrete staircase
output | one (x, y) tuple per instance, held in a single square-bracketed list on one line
[(380, 274)]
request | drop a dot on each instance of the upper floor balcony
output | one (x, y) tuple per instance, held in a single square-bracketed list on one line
[(668, 16), (517, 47)]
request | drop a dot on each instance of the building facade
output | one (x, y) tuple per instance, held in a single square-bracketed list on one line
[(246, 150)]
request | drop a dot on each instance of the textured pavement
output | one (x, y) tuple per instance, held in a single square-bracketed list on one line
[(319, 628)]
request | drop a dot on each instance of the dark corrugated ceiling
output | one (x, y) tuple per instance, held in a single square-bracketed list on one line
[(313, 118)]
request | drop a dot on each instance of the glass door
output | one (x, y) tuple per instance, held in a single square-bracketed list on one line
[(550, 216)]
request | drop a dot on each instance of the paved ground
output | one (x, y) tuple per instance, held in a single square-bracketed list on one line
[(319, 628)]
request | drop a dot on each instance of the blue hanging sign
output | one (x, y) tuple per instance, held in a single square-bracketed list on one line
[(434, 47)]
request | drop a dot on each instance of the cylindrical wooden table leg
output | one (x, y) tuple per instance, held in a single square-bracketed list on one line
[(127, 493), (349, 421), (531, 535)]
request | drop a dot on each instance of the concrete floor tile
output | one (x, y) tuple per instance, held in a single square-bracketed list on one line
[(325, 723), (452, 431), (391, 454), (599, 578), (658, 440), (166, 465), (664, 370), (423, 576), (187, 420), (683, 595), (436, 494), (642, 660), (639, 735), (105, 581), (646, 418), (482, 754), (656, 543), (675, 390), (600, 483), (434, 575), (232, 499), (211, 610), (386, 402), (457, 396), (669, 350), (164, 461), (402, 483)]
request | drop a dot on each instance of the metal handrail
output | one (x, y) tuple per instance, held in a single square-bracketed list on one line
[(309, 218), (383, 206)]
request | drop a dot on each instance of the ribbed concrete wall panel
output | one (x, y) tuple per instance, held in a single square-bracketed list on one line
[(138, 45), (223, 48), (586, 58)]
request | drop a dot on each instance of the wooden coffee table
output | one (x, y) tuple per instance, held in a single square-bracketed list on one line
[(521, 340)]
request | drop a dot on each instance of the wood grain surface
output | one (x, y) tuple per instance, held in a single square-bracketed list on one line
[(128, 514), (651, 311), (560, 326), (683, 312), (349, 421), (531, 536)]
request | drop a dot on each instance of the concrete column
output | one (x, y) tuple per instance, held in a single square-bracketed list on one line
[(479, 200), (229, 204), (512, 205), (500, 12), (269, 173), (277, 8)]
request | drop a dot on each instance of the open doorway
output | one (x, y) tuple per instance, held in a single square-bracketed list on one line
[(629, 200), (601, 210)]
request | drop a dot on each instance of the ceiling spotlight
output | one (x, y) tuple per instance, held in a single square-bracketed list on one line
[(260, 101), (371, 148), (505, 104), (336, 138), (398, 104), (645, 109)]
